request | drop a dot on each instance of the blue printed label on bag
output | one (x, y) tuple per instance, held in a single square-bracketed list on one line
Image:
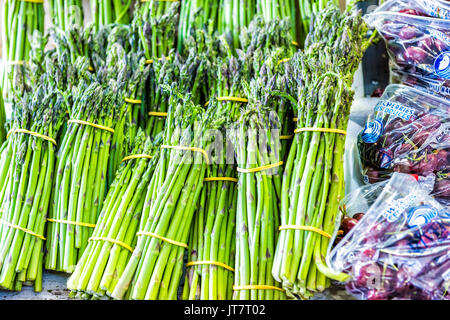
[(439, 89), (372, 131), (420, 215), (395, 109), (440, 36), (442, 65), (435, 11), (398, 207)]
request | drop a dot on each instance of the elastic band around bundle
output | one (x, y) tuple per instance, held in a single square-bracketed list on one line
[(34, 1), (284, 60), (221, 179), (31, 133), (266, 167), (150, 234), (150, 61), (257, 287), (91, 69), (14, 63), (331, 130), (158, 114), (216, 263), (81, 224), (295, 43), (226, 98), (287, 137), (98, 126), (204, 153), (133, 101), (160, 0), (306, 228), (11, 225), (118, 242), (137, 156)]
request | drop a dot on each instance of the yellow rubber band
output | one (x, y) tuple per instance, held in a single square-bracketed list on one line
[(22, 229), (90, 69), (295, 119), (221, 179), (287, 137), (118, 242), (92, 125), (158, 114), (81, 224), (216, 263), (306, 228), (161, 0), (257, 287), (137, 156), (133, 101), (235, 99), (321, 130), (31, 133), (266, 167), (14, 63), (150, 61), (205, 154), (149, 234), (295, 43), (284, 60), (34, 1)]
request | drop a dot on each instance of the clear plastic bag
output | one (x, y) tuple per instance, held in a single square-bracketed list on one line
[(417, 44), (427, 8), (400, 249), (409, 132), (430, 86)]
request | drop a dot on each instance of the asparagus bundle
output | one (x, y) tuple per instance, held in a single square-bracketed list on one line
[(131, 71), (27, 163), (212, 238), (20, 20), (114, 236), (195, 14), (155, 268), (233, 16), (280, 9), (110, 11), (313, 181), (256, 139), (80, 183), (193, 73), (308, 9), (157, 23), (273, 86), (261, 39), (65, 13)]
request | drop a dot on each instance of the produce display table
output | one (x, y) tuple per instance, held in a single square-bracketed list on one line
[(55, 289)]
